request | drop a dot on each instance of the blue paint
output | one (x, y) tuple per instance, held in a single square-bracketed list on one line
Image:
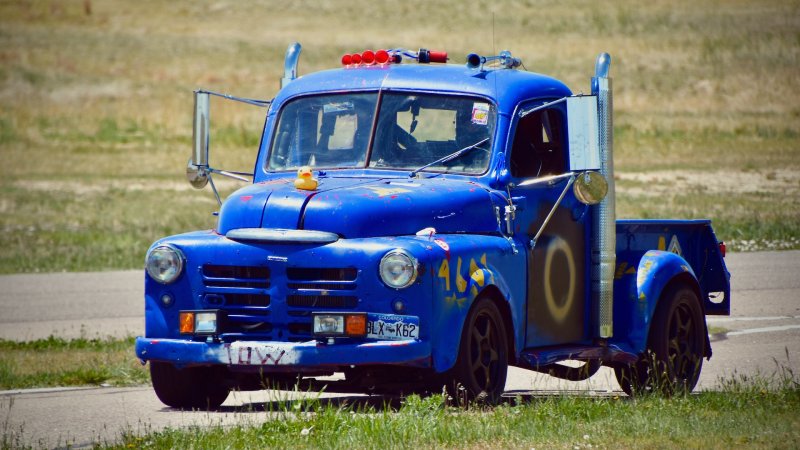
[(268, 289)]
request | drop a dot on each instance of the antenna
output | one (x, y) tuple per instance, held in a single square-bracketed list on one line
[(494, 50)]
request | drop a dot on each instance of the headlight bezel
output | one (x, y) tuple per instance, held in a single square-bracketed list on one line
[(179, 263), (391, 257)]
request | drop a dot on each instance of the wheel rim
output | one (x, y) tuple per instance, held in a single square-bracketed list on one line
[(682, 346), (484, 357)]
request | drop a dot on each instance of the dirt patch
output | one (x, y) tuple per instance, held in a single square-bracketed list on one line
[(658, 183)]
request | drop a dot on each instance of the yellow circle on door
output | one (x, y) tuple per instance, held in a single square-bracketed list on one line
[(559, 312)]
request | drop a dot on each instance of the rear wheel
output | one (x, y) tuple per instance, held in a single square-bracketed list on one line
[(482, 364), (192, 387), (675, 348)]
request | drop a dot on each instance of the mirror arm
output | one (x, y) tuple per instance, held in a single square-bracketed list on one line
[(235, 175), (540, 107), (551, 179), (553, 210), (214, 188), (249, 101)]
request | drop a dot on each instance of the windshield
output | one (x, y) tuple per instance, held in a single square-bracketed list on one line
[(412, 132)]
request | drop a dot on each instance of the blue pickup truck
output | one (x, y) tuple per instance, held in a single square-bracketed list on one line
[(414, 224)]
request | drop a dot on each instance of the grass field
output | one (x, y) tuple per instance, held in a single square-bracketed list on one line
[(706, 420), (77, 362), (95, 105), (746, 411)]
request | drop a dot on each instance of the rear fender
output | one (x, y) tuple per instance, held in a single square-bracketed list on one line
[(634, 314)]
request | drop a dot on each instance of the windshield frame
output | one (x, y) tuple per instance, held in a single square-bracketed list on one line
[(367, 163)]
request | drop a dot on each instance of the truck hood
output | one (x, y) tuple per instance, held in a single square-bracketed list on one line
[(362, 207)]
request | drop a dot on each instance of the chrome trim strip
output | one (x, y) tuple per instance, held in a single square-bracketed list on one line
[(282, 235)]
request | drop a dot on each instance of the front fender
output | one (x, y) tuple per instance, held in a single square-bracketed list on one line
[(469, 267)]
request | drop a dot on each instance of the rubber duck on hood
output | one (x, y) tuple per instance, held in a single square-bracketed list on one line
[(305, 179)]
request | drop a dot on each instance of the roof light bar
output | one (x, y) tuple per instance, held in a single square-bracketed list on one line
[(394, 56)]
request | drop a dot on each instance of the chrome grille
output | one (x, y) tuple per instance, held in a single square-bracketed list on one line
[(317, 289), (240, 291), (322, 301)]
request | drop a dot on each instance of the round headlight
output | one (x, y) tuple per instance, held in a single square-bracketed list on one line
[(398, 269), (164, 264)]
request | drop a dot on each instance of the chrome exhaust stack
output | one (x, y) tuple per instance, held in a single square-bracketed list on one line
[(604, 241), (290, 63)]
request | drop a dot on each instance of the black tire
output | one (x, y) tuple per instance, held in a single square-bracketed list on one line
[(482, 365), (675, 347), (189, 388)]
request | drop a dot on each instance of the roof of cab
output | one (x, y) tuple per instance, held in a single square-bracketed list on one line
[(506, 87)]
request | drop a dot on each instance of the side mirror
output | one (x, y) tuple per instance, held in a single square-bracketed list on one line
[(583, 131), (197, 169), (197, 176), (590, 187)]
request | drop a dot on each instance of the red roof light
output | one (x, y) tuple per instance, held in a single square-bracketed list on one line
[(381, 57), (368, 57)]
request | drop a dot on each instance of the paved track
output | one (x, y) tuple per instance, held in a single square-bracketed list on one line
[(763, 329)]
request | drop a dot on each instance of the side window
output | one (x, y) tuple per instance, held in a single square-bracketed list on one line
[(538, 147)]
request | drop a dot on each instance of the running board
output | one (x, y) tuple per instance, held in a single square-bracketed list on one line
[(544, 356)]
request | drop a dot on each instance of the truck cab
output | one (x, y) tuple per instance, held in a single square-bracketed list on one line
[(414, 224)]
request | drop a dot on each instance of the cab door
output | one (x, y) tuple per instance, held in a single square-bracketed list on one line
[(557, 282)]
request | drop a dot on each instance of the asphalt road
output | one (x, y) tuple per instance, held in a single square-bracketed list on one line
[(762, 333)]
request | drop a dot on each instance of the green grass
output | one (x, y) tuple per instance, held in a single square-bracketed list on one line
[(57, 362), (95, 104), (746, 411), (704, 420)]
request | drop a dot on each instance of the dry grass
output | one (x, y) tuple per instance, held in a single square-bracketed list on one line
[(95, 102)]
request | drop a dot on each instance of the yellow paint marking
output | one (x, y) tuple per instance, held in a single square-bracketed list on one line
[(559, 312), (662, 243), (444, 272), (623, 270), (454, 299), (461, 283), (476, 273), (383, 192)]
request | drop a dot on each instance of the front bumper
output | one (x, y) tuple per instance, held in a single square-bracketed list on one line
[(299, 356)]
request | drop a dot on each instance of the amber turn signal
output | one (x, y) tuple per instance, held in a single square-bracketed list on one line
[(186, 320), (355, 325)]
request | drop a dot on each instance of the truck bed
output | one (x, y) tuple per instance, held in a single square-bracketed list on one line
[(694, 240)]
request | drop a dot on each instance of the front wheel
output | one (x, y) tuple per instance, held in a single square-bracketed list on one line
[(675, 347), (190, 388), (482, 364)]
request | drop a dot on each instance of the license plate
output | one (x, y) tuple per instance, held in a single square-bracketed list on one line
[(392, 327)]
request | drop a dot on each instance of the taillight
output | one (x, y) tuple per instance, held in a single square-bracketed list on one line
[(722, 248)]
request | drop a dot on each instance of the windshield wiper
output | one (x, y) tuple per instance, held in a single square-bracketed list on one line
[(450, 157)]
